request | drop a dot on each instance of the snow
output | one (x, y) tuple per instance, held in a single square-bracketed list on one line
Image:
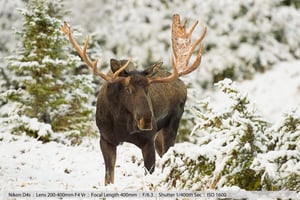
[(45, 166), (277, 92), (272, 168), (35, 125)]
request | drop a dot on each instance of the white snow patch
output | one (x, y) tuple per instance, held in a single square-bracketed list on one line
[(27, 164), (274, 93)]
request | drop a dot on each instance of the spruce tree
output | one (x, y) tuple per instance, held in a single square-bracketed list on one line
[(47, 88)]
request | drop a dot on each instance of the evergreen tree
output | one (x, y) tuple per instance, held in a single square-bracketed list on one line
[(47, 89)]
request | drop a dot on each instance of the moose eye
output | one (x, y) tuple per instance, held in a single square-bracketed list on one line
[(128, 90)]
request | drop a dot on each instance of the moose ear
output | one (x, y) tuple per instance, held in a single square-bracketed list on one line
[(117, 64), (114, 65), (153, 69)]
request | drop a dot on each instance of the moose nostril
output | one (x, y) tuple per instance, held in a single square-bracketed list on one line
[(141, 122), (144, 124)]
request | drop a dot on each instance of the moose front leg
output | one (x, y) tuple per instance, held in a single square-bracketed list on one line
[(148, 151), (109, 155)]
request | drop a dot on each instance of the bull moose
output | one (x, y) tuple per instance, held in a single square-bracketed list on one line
[(142, 107)]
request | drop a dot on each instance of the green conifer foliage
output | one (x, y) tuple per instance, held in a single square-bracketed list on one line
[(47, 88)]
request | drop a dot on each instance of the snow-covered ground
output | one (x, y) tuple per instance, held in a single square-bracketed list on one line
[(26, 164)]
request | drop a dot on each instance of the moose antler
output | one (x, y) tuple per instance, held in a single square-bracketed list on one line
[(82, 52), (183, 49)]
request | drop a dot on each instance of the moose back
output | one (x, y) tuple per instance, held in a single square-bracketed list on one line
[(142, 107)]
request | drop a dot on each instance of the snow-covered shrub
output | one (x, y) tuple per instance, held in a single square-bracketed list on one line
[(31, 126), (191, 172), (281, 164), (47, 90)]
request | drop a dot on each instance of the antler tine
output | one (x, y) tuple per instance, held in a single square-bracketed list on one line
[(192, 29), (82, 52), (86, 42), (199, 39), (87, 60)]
